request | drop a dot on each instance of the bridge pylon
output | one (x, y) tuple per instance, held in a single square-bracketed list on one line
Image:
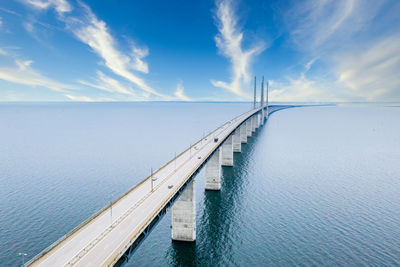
[(262, 102), (267, 111), (255, 92)]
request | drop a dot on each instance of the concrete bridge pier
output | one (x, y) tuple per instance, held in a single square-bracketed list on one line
[(227, 152), (254, 123), (213, 171), (262, 117), (236, 143), (183, 225), (248, 127), (243, 133)]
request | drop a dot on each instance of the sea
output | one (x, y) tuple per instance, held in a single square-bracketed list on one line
[(317, 185)]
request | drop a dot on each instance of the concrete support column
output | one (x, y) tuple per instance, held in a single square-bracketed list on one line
[(248, 127), (262, 117), (256, 121), (213, 171), (227, 152), (243, 133), (253, 123), (237, 145), (183, 227)]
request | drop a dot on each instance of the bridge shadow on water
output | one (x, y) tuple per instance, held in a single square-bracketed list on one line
[(219, 217)]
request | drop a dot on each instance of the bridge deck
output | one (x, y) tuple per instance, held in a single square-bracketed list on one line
[(98, 242)]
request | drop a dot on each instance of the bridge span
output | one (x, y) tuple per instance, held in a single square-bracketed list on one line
[(111, 235), (105, 240)]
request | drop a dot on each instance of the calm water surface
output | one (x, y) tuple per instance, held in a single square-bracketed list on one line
[(316, 185)]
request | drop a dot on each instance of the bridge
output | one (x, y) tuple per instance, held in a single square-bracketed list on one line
[(110, 236)]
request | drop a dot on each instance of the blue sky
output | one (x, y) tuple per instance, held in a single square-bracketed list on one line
[(68, 50)]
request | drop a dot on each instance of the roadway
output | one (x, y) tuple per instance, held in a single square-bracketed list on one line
[(101, 242)]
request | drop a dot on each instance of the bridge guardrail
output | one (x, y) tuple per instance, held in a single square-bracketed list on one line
[(98, 213)]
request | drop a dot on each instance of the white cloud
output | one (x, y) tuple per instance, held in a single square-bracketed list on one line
[(305, 89), (356, 43), (309, 64), (1, 21), (80, 98), (95, 33), (300, 89), (137, 55), (24, 74), (180, 94), (61, 6), (313, 22), (23, 65), (9, 11), (374, 72), (229, 42), (83, 98), (365, 74), (108, 84), (3, 52), (29, 27)]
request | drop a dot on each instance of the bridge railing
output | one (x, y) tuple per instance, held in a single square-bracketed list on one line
[(177, 188), (105, 208)]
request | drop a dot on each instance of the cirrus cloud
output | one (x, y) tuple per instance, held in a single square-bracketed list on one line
[(95, 33), (180, 94), (354, 40), (23, 73), (230, 44), (61, 6)]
